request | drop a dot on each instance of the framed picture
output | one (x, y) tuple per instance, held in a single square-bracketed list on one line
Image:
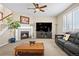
[(24, 20), (1, 16)]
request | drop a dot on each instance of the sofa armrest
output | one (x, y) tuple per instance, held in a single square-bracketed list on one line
[(59, 36)]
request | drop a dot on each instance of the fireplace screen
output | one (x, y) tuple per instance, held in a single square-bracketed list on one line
[(24, 34)]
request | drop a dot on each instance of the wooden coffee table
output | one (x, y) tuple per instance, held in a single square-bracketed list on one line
[(36, 49)]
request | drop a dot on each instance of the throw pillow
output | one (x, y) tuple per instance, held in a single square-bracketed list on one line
[(66, 37)]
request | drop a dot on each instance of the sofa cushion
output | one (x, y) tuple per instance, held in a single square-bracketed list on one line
[(71, 47), (76, 41), (71, 40), (61, 41), (72, 37), (78, 35)]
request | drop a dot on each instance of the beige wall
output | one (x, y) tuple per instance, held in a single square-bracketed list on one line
[(4, 32), (5, 10), (60, 17), (5, 37), (34, 19)]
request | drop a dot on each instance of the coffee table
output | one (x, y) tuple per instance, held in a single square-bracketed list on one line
[(36, 49)]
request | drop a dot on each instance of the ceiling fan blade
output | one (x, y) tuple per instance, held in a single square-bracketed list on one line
[(37, 5), (30, 8), (43, 6), (34, 4), (42, 10)]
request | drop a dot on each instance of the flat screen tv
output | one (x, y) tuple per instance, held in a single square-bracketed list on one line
[(45, 27)]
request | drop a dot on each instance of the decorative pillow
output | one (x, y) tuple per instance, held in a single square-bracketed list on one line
[(66, 37)]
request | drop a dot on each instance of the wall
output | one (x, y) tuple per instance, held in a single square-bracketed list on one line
[(5, 37), (4, 32), (34, 19), (5, 10), (60, 17)]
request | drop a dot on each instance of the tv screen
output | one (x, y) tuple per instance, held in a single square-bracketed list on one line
[(46, 27)]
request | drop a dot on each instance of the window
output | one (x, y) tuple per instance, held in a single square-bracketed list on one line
[(64, 24), (76, 19), (71, 21), (67, 22)]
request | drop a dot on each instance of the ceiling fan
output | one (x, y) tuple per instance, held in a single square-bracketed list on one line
[(38, 7)]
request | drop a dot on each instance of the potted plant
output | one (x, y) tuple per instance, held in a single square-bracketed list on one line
[(13, 25)]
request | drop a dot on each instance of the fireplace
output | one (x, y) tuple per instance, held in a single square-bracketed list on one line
[(24, 34)]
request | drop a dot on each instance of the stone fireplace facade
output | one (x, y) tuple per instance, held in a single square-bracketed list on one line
[(24, 32)]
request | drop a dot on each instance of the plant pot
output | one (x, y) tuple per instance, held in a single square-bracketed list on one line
[(12, 40)]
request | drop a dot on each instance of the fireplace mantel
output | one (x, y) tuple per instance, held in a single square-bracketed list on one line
[(24, 28)]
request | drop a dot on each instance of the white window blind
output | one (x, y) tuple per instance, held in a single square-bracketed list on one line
[(76, 19), (71, 21), (67, 22)]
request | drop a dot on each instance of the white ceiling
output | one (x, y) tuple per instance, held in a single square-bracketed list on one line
[(52, 9)]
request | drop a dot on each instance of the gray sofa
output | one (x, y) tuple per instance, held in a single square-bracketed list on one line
[(71, 46)]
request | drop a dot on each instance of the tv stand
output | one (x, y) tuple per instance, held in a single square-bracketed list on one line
[(42, 34)]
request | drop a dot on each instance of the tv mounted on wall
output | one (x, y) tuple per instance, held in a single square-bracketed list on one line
[(45, 27)]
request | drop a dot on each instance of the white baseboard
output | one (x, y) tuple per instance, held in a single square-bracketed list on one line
[(3, 44)]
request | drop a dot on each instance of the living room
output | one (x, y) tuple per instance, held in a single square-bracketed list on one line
[(37, 23)]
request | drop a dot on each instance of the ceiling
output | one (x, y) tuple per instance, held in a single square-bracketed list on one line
[(52, 9)]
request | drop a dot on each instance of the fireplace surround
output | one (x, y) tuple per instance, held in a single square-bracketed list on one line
[(24, 30)]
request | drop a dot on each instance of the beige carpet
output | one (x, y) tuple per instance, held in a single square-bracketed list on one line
[(51, 49)]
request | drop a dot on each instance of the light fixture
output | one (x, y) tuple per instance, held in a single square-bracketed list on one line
[(37, 9)]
